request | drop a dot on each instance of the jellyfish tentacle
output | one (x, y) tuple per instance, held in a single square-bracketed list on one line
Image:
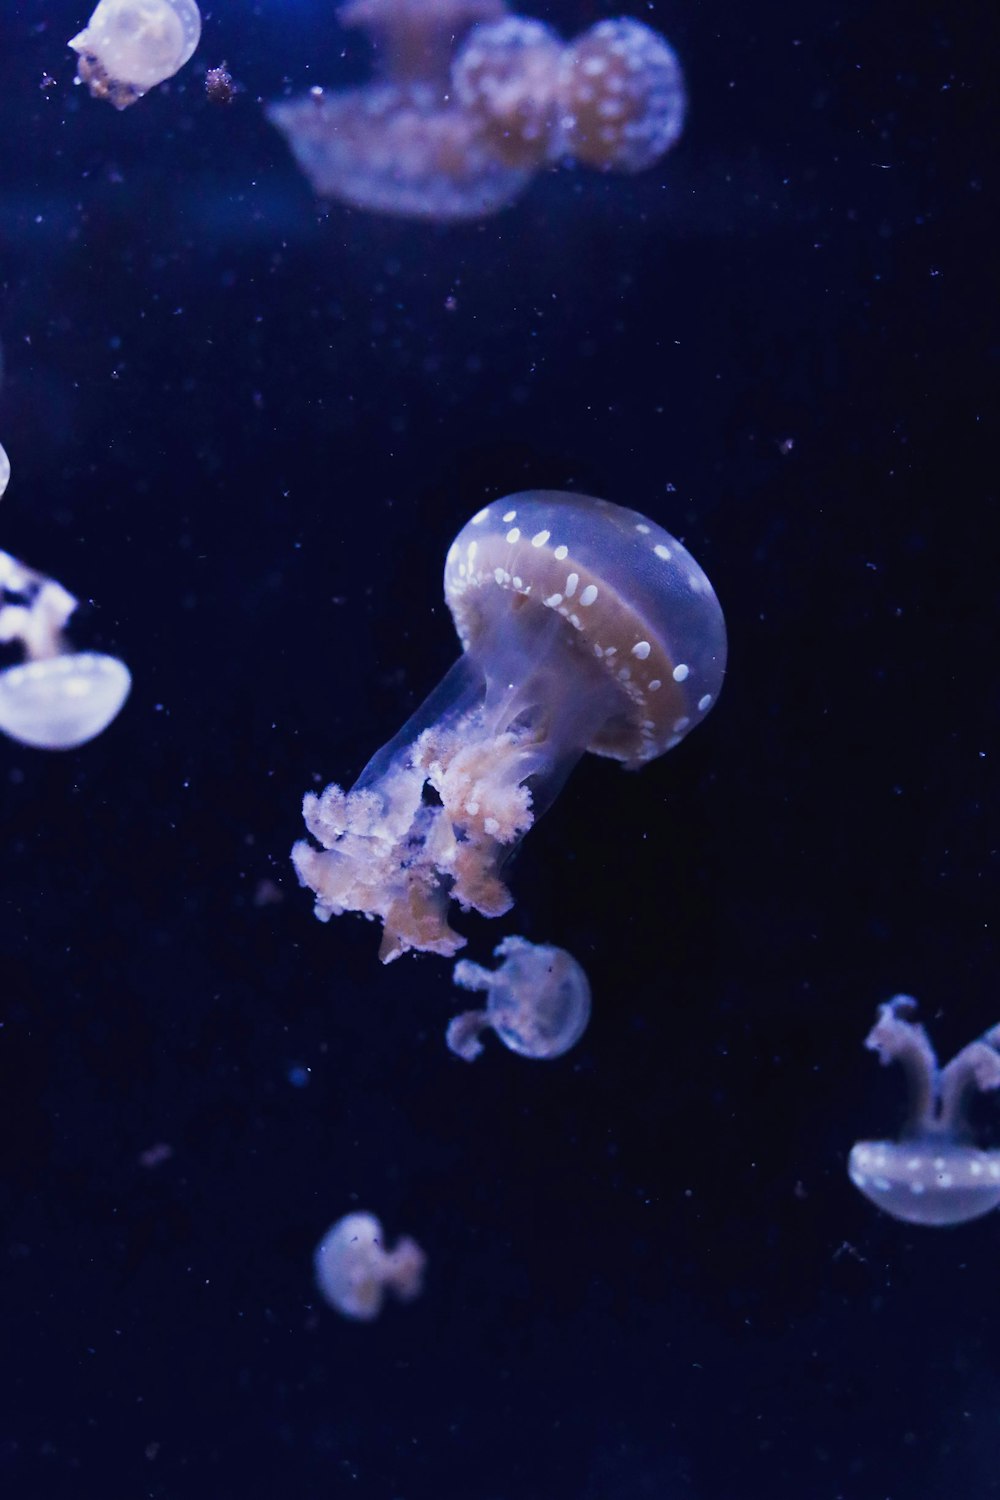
[(897, 1038)]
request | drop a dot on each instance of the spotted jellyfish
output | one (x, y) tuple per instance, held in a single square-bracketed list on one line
[(538, 1001), (354, 1270), (129, 46), (56, 698), (584, 627), (933, 1173), (401, 144), (612, 99)]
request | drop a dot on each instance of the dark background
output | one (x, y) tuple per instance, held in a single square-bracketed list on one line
[(246, 427)]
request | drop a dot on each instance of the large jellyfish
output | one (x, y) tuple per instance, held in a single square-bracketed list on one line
[(354, 1270), (129, 46), (933, 1173), (401, 145), (584, 626)]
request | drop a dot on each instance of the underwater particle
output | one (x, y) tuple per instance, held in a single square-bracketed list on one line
[(56, 698), (129, 46), (4, 470), (219, 86), (584, 627), (354, 1270), (621, 95), (507, 75), (401, 145), (538, 1001), (933, 1173)]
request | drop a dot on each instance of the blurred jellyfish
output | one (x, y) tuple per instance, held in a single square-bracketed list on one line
[(57, 698), (4, 470), (934, 1173), (611, 99), (584, 626), (538, 1001), (129, 46), (354, 1270), (401, 145)]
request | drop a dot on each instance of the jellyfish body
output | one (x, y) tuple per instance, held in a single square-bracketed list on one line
[(934, 1173), (354, 1270), (584, 626), (538, 1001), (56, 699), (4, 470), (129, 46)]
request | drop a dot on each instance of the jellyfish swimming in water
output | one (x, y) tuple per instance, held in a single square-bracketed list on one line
[(934, 1173), (400, 144), (469, 102), (354, 1270), (538, 1001), (56, 698), (129, 46), (584, 626)]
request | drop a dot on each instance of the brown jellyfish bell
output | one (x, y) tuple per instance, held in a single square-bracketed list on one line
[(401, 144), (584, 626), (933, 1173), (354, 1270)]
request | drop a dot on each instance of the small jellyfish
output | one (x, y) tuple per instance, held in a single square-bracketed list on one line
[(402, 145), (584, 626), (934, 1173), (621, 92), (354, 1270), (57, 698), (4, 470), (219, 85), (129, 46), (538, 1001)]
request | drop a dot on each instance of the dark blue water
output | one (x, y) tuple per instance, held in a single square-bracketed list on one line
[(245, 427)]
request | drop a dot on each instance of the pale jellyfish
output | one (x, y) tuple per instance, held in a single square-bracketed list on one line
[(933, 1173), (612, 99), (584, 626), (354, 1270), (4, 470), (538, 1001), (401, 145), (56, 698), (129, 46)]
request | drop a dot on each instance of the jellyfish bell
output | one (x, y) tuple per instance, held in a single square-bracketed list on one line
[(4, 470), (538, 1001), (398, 151), (934, 1173), (621, 93), (56, 699), (584, 626), (354, 1270), (130, 46), (506, 75)]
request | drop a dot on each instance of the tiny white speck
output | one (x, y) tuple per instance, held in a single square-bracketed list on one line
[(514, 535), (882, 1183), (498, 574), (471, 550), (561, 553), (916, 1188), (680, 725), (480, 517), (553, 601), (681, 673), (642, 528), (663, 553), (655, 685), (641, 649), (540, 538), (510, 515), (589, 595), (571, 582), (704, 703), (452, 552)]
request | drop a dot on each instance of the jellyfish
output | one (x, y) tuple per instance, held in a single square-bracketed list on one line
[(538, 1001), (401, 144), (56, 698), (934, 1173), (354, 1270), (129, 46), (611, 99), (4, 471), (584, 626)]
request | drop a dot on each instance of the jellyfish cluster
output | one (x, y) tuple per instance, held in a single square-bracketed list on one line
[(469, 102)]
